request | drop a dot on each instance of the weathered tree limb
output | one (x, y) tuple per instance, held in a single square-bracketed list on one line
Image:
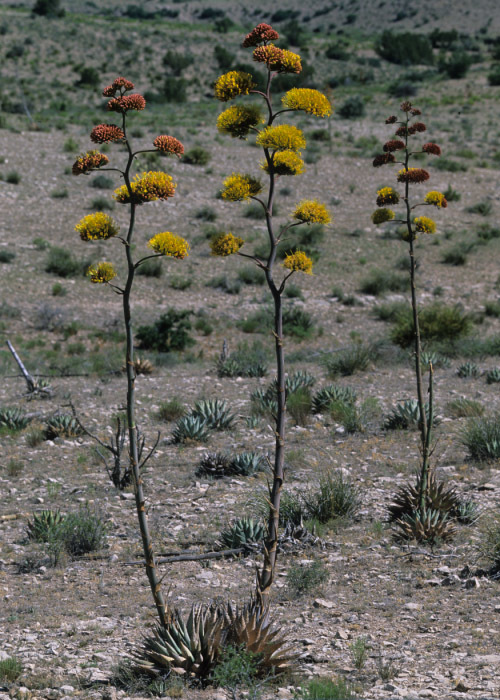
[(191, 556), (29, 379)]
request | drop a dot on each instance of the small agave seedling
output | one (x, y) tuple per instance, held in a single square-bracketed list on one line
[(133, 193), (421, 522), (281, 147)]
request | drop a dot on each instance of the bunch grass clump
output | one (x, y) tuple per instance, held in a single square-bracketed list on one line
[(481, 437)]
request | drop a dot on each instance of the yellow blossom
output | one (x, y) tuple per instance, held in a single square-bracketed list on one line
[(284, 137), (298, 262), (425, 225), (232, 84), (225, 244), (380, 216), (102, 273), (170, 244), (98, 226), (312, 212), (286, 163), (387, 195), (311, 101), (436, 198), (147, 187), (238, 187), (238, 120)]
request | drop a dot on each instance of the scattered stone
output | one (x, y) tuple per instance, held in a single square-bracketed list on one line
[(127, 496), (321, 603), (342, 634), (472, 583)]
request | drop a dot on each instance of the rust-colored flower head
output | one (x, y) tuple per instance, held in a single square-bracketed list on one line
[(391, 120), (126, 102), (383, 159), (405, 106), (393, 145), (89, 161), (105, 133), (415, 112), (279, 60), (431, 148), (402, 131), (117, 84), (414, 175), (169, 145), (419, 127), (260, 35)]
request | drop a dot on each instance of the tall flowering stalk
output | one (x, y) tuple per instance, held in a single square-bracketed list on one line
[(145, 187), (282, 145), (407, 128)]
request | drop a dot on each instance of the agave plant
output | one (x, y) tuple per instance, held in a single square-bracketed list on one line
[(247, 463), (62, 425), (215, 413), (406, 415), (193, 648), (493, 376), (13, 419), (468, 369), (297, 381), (430, 357), (431, 526), (190, 428), (241, 532), (325, 396), (439, 497), (44, 524), (215, 464), (264, 401)]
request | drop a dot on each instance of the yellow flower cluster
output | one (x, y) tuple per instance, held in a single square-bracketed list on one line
[(289, 62), (170, 244), (312, 212), (238, 187), (238, 120), (298, 262), (425, 225), (147, 187), (225, 244), (98, 226), (380, 216), (232, 84), (311, 101), (286, 163), (436, 198), (284, 137), (101, 274), (387, 195)]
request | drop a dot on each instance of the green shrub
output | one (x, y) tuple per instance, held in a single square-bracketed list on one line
[(380, 281), (10, 669), (225, 59), (481, 437), (13, 177), (452, 195), (177, 62), (352, 108), (490, 546), (452, 166), (349, 360), (169, 333), (150, 268), (170, 410), (178, 282), (337, 52), (206, 214), (336, 497), (60, 262), (174, 90), (486, 233), (297, 323), (196, 156), (437, 323), (483, 208), (493, 376), (101, 182), (326, 689), (492, 308), (404, 48), (237, 670), (82, 532), (390, 311), (306, 578), (494, 75), (245, 361), (299, 406), (229, 286), (328, 394), (464, 408), (6, 256), (457, 255), (456, 66), (251, 275), (102, 204), (89, 77)]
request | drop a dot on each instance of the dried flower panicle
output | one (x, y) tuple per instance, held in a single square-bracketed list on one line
[(414, 175), (393, 145), (92, 160), (106, 133), (225, 244), (298, 261), (261, 34), (170, 244), (432, 149), (126, 103), (391, 120), (119, 84), (383, 159), (169, 145)]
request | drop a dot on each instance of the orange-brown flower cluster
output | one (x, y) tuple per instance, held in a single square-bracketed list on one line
[(261, 34), (391, 120), (169, 144), (417, 127), (415, 112), (402, 131), (393, 145), (414, 175), (431, 148), (117, 84), (89, 161), (383, 159), (280, 60), (104, 133), (405, 106), (125, 102)]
